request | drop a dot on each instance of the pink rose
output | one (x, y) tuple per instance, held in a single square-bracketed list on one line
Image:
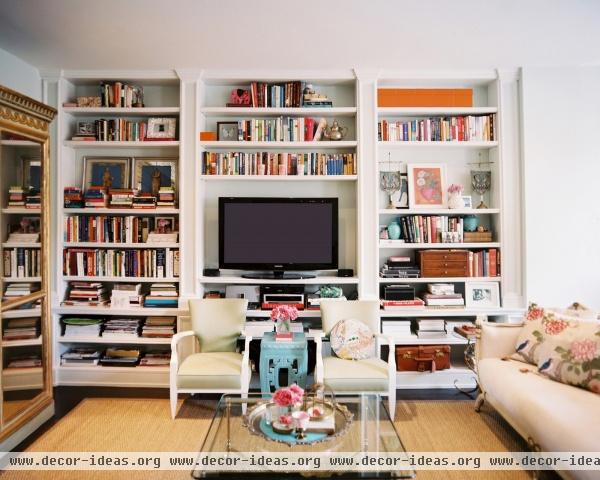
[(285, 419), (297, 390), (284, 397), (584, 350), (534, 312), (554, 327), (284, 312)]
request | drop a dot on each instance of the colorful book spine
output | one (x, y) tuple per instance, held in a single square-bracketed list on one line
[(467, 128)]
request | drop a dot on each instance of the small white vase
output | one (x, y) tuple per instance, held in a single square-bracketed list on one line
[(455, 200)]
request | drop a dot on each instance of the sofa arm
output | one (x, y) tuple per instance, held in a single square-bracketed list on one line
[(497, 340)]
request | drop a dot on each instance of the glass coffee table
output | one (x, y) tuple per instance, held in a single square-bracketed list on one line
[(363, 444)]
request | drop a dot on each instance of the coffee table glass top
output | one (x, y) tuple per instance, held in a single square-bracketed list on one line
[(370, 432)]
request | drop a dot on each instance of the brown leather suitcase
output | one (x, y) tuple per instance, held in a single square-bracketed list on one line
[(422, 358), (444, 263)]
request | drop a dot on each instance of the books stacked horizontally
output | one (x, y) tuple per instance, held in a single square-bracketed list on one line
[(431, 328), (402, 305), (33, 200), (93, 294), (313, 300), (162, 295), (159, 327), (82, 326), (95, 197), (16, 196), (126, 295), (156, 359), (143, 201), (441, 295), (400, 267), (15, 290), (462, 328), (73, 197), (166, 197), (121, 328), (21, 329), (121, 197), (24, 361), (18, 237), (397, 328), (120, 357), (80, 357)]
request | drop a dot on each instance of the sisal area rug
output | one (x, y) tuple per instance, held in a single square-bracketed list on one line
[(105, 424)]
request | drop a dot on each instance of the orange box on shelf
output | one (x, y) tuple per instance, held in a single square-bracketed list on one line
[(208, 136), (425, 97)]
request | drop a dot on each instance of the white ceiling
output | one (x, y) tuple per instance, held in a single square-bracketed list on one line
[(149, 34)]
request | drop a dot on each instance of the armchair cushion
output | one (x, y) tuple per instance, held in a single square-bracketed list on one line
[(370, 375), (352, 340), (211, 371)]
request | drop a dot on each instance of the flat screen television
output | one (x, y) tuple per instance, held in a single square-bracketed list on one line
[(272, 235)]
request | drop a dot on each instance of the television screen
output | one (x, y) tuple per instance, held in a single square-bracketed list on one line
[(278, 233)]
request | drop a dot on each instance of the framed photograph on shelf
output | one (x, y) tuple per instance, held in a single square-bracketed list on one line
[(427, 185), (165, 225), (468, 200), (151, 173), (108, 172), (227, 131), (86, 129), (482, 294), (31, 168), (400, 198), (162, 128)]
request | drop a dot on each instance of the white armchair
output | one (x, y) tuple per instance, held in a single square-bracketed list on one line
[(206, 362), (357, 376)]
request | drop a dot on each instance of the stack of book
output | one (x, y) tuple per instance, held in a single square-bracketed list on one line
[(24, 361), (313, 300), (431, 328), (143, 200), (162, 295), (402, 305), (288, 94), (166, 197), (95, 197), (156, 359), (126, 295), (86, 327), (121, 328), (18, 237), (16, 196), (21, 329), (399, 267), (108, 228), (120, 357), (73, 197), (15, 290), (93, 294), (33, 200), (121, 197), (484, 263), (80, 357), (441, 295), (159, 327), (396, 328)]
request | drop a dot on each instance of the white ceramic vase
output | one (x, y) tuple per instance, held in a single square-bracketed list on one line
[(455, 200)]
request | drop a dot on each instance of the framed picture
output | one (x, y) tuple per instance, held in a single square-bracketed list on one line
[(32, 172), (165, 225), (26, 225), (427, 185), (151, 173), (468, 201), (107, 172), (86, 128), (162, 128), (227, 131), (400, 198), (482, 294)]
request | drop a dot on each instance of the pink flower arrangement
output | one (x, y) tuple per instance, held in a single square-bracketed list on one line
[(584, 350), (288, 396), (455, 188), (284, 312), (554, 327)]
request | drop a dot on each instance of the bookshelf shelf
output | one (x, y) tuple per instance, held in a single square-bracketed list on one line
[(19, 143), (121, 211), (134, 311), (114, 341), (21, 211), (439, 211), (22, 343), (21, 245), (426, 111), (448, 339), (281, 178), (121, 111), (97, 144), (278, 145), (466, 145), (270, 111), (15, 379), (119, 245), (227, 280), (22, 313), (21, 279), (97, 375), (383, 244), (439, 280), (88, 278), (451, 312)]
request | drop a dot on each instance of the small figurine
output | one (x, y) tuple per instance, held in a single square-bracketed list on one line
[(106, 179), (335, 132), (155, 186)]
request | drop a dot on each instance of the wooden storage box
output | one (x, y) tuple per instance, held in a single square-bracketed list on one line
[(474, 237), (424, 97), (444, 263)]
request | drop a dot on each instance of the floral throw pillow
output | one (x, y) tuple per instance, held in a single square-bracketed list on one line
[(351, 339), (573, 357)]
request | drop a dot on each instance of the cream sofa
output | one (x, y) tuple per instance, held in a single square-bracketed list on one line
[(550, 415)]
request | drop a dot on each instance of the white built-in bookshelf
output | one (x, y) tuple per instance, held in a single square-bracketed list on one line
[(198, 100)]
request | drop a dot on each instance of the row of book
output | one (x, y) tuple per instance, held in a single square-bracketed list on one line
[(16, 290), (27, 328), (109, 228), (114, 357), (400, 267), (431, 229), (439, 129), (285, 95), (22, 262), (20, 197), (149, 263), (116, 130), (484, 263), (98, 197), (280, 129), (120, 328), (119, 94), (268, 163)]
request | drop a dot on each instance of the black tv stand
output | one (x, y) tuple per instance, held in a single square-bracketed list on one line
[(277, 275)]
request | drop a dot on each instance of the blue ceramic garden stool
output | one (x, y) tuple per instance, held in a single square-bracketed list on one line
[(276, 356)]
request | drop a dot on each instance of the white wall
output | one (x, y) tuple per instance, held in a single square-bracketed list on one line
[(19, 75), (561, 157)]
